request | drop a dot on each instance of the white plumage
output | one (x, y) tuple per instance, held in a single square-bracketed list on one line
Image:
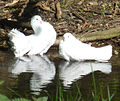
[(42, 68), (38, 43), (72, 49), (70, 72)]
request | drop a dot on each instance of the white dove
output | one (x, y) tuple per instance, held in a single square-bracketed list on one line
[(73, 49), (38, 43)]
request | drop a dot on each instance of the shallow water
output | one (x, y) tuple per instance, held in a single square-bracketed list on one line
[(37, 75)]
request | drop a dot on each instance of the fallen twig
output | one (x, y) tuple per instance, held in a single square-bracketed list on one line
[(116, 8), (59, 12), (43, 5), (12, 3), (81, 2), (82, 18), (23, 8), (99, 35)]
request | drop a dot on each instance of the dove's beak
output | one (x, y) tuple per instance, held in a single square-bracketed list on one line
[(40, 22), (63, 37)]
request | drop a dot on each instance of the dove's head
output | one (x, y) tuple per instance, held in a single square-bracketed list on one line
[(36, 19), (68, 36), (36, 22)]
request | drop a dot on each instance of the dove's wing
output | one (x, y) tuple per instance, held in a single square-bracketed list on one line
[(44, 41), (19, 42)]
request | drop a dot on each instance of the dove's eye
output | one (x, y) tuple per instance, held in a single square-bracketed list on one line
[(68, 36)]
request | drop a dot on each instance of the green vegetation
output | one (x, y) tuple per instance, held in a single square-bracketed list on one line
[(103, 11), (65, 4), (96, 95)]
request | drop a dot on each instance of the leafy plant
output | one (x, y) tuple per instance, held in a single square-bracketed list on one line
[(1, 82), (20, 99), (40, 99), (4, 98)]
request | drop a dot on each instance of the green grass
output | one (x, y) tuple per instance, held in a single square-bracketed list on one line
[(96, 95)]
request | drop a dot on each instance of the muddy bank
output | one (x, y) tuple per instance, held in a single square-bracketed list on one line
[(87, 20)]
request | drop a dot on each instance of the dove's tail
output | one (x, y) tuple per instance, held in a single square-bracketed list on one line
[(107, 51), (18, 42)]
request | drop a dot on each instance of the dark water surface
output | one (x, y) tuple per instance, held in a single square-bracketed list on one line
[(35, 75)]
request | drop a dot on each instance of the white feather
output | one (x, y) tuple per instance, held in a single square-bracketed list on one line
[(70, 72), (38, 43), (72, 49)]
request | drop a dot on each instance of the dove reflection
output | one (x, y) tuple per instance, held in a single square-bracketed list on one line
[(42, 68), (71, 71)]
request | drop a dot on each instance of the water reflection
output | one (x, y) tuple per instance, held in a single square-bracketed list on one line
[(42, 68), (72, 71)]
